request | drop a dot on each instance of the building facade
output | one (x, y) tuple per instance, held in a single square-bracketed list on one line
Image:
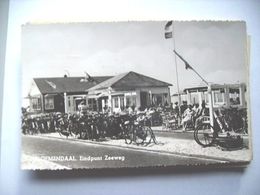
[(129, 89), (60, 94), (225, 95), (107, 93)]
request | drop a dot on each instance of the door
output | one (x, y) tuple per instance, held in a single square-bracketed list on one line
[(144, 98)]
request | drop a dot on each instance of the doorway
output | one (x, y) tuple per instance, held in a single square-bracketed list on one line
[(143, 99)]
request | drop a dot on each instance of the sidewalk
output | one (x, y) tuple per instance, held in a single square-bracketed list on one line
[(172, 146)]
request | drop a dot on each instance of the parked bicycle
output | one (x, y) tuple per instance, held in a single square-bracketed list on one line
[(170, 121), (62, 124), (221, 133), (138, 130)]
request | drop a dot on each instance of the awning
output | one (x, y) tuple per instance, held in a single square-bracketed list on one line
[(32, 97), (102, 95), (78, 98), (98, 95), (50, 95)]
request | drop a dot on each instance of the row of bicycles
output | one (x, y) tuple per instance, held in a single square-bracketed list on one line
[(134, 128), (230, 126)]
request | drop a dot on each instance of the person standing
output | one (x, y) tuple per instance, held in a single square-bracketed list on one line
[(202, 112), (187, 117)]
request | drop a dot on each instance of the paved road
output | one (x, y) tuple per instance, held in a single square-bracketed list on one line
[(101, 155)]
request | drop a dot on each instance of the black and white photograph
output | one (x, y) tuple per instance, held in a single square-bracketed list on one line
[(134, 94)]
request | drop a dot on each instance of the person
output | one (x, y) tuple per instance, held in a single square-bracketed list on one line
[(133, 107), (202, 112), (81, 105), (176, 113), (187, 117), (195, 108), (138, 110), (176, 108), (159, 108), (105, 109), (130, 110), (183, 107)]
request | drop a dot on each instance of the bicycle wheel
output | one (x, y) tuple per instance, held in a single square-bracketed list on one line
[(153, 136), (64, 132), (140, 135), (204, 134), (129, 134), (83, 134), (148, 135), (72, 131)]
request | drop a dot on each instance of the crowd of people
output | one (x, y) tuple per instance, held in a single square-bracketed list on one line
[(190, 115)]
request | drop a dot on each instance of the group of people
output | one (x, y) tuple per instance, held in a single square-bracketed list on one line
[(190, 115)]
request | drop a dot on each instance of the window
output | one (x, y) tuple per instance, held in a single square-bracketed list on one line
[(92, 104), (36, 103), (218, 96), (106, 103), (130, 101), (194, 98), (122, 105), (158, 100), (116, 102), (49, 103), (69, 102), (205, 97), (234, 96)]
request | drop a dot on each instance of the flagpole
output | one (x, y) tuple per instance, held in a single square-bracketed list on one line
[(176, 68), (201, 77), (187, 64), (211, 110)]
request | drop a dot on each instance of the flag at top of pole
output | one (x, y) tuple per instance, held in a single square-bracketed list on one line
[(168, 30)]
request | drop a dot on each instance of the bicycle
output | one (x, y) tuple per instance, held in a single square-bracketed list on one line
[(139, 131), (220, 133), (169, 121), (62, 125)]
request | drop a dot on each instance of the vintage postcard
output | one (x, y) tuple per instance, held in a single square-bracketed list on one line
[(135, 94)]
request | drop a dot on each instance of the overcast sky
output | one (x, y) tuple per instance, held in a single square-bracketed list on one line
[(215, 49)]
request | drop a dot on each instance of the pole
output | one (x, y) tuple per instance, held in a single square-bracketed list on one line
[(186, 63), (211, 109), (65, 103), (201, 77), (176, 69)]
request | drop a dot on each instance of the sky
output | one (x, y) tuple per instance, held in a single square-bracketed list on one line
[(217, 50)]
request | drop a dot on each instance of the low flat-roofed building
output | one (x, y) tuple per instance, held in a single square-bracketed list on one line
[(99, 93), (60, 94), (223, 95), (129, 89)]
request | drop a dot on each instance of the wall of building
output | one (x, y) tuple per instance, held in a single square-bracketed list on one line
[(151, 91), (221, 96)]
